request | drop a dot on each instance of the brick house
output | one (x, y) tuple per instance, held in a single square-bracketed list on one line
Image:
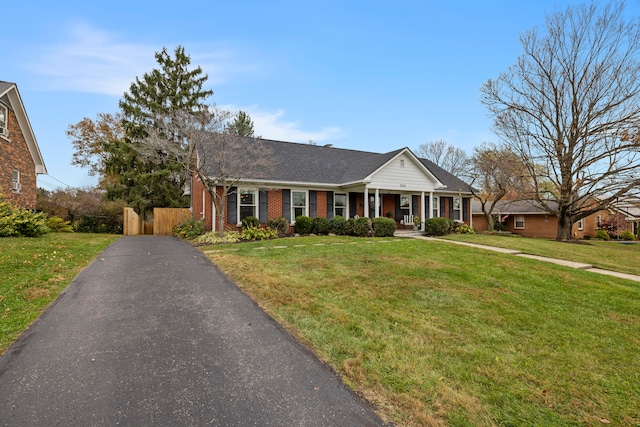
[(529, 219), (323, 181), (20, 158)]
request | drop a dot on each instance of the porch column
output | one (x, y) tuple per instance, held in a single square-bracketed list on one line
[(422, 213), (366, 202), (431, 207), (377, 204)]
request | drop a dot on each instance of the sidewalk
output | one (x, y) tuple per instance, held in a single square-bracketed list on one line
[(152, 333), (565, 263)]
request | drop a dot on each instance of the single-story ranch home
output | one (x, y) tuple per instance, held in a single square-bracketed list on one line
[(529, 219), (323, 181)]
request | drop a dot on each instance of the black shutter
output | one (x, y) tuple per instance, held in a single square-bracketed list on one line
[(286, 204), (465, 209), (313, 203), (353, 209), (329, 204), (398, 210), (450, 207), (443, 202), (264, 206), (232, 206), (427, 212), (415, 201)]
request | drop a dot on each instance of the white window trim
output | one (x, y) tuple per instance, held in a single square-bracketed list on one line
[(256, 202), (435, 209), (4, 131), (345, 207), (598, 222), (16, 186), (459, 210), (515, 222), (306, 207), (581, 224), (410, 208)]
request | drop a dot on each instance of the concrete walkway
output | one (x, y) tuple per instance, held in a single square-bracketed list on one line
[(152, 333), (565, 263)]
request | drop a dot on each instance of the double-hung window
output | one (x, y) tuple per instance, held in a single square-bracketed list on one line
[(4, 118), (248, 203), (436, 205), (299, 204), (519, 222), (405, 204), (581, 224), (340, 205), (15, 181), (457, 209)]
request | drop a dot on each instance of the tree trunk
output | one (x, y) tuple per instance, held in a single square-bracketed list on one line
[(220, 210), (564, 229), (490, 221)]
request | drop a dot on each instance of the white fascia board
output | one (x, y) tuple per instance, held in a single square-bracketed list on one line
[(283, 184), (27, 131)]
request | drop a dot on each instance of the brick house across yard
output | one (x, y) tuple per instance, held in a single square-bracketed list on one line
[(20, 158), (323, 181), (529, 219)]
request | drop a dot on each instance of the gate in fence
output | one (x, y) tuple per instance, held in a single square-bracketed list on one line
[(164, 219)]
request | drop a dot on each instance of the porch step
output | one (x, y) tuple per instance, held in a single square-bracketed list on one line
[(408, 233)]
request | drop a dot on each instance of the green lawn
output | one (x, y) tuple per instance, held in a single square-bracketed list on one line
[(33, 272), (611, 255), (440, 334)]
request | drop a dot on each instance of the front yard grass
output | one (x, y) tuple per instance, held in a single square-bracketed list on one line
[(439, 334), (612, 255), (33, 272)]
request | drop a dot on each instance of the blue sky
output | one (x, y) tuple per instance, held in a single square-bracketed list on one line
[(364, 75)]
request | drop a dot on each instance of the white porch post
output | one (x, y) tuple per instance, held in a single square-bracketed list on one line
[(366, 202), (430, 204), (422, 213), (377, 213)]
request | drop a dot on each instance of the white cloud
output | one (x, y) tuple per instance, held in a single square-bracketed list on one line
[(96, 61), (92, 61), (272, 125)]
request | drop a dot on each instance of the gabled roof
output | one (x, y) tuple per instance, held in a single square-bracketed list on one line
[(317, 164), (9, 91), (514, 207)]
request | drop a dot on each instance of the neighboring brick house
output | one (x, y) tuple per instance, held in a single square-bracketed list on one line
[(323, 181), (529, 219), (20, 158)]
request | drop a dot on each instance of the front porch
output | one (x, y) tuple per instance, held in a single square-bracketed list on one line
[(408, 208)]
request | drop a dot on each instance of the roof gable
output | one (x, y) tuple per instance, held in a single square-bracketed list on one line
[(10, 91)]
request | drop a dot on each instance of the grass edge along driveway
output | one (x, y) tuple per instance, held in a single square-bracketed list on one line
[(437, 334), (33, 272)]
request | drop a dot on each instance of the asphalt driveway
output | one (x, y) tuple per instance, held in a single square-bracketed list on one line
[(152, 333)]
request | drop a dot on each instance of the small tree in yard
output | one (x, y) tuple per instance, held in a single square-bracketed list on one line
[(198, 142), (496, 173), (569, 108)]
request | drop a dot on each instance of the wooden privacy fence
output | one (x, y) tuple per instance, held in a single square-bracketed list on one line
[(164, 219)]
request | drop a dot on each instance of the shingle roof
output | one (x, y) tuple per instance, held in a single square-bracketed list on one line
[(5, 86), (306, 163), (515, 207)]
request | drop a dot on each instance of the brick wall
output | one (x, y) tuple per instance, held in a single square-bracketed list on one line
[(14, 154), (275, 204)]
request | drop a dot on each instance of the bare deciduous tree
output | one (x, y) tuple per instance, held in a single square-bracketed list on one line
[(566, 106), (452, 159), (496, 173), (198, 142)]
